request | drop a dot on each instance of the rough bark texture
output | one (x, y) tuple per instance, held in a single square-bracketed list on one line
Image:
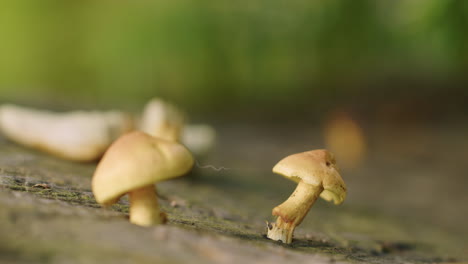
[(48, 215)]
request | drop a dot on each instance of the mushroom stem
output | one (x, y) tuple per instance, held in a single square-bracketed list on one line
[(144, 208), (291, 212)]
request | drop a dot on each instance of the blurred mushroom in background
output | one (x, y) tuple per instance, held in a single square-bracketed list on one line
[(86, 135), (345, 138), (76, 135), (199, 138), (165, 120), (162, 119)]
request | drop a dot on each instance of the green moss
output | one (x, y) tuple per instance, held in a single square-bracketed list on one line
[(17, 188), (120, 208)]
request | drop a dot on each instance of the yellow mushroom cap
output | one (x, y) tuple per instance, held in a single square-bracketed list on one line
[(136, 160), (315, 167)]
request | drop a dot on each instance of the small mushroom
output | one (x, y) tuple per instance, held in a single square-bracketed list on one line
[(199, 138), (165, 120), (132, 165), (316, 174), (77, 135), (162, 119)]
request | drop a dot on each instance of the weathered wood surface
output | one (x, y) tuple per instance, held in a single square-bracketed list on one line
[(392, 215)]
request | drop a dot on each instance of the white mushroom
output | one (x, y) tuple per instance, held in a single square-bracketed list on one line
[(199, 138), (165, 120), (78, 135), (162, 119)]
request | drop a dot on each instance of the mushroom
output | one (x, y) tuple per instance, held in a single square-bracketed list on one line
[(77, 135), (132, 165), (165, 120), (199, 138), (316, 174), (162, 119)]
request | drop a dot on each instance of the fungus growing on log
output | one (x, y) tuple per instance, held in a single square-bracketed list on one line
[(316, 174)]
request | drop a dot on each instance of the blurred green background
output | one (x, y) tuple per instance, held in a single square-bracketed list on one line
[(383, 84), (217, 58)]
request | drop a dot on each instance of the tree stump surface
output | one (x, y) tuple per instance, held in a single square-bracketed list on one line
[(48, 215)]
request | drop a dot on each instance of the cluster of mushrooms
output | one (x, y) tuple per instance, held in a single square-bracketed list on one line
[(134, 155)]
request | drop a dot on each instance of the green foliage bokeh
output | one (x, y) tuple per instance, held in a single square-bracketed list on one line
[(219, 54)]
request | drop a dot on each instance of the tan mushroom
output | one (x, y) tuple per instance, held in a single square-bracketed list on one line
[(77, 135), (132, 165), (162, 119), (316, 174)]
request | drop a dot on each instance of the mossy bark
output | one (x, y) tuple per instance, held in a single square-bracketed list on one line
[(48, 215)]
